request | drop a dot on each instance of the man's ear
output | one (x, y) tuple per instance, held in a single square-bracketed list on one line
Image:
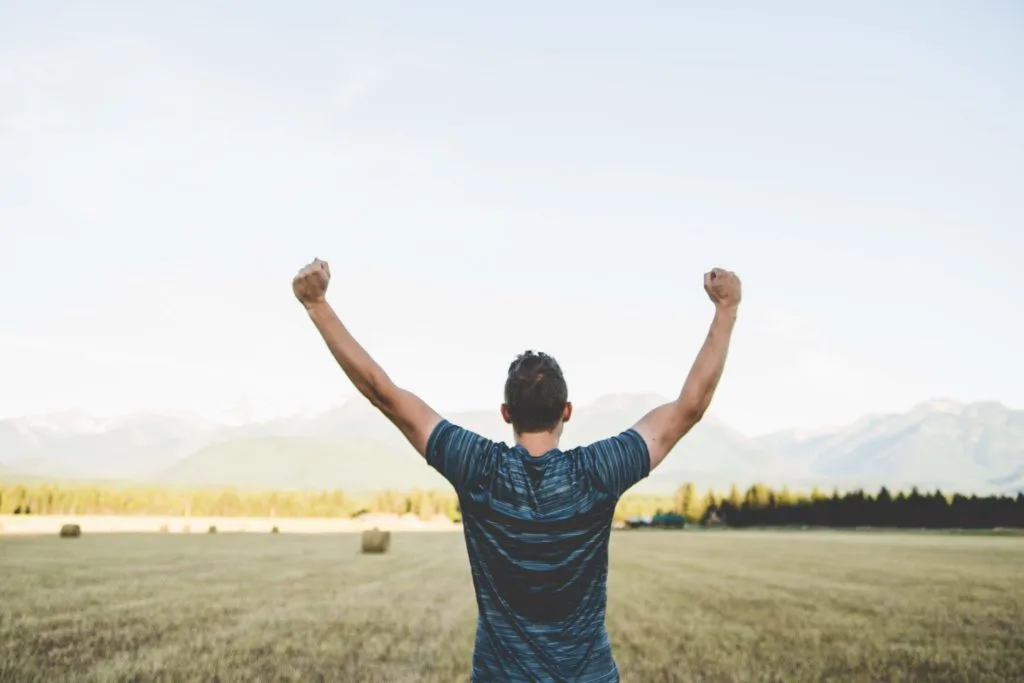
[(505, 415), (567, 412)]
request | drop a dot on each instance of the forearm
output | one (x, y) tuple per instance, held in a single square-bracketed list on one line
[(368, 377), (701, 382), (663, 427), (408, 412)]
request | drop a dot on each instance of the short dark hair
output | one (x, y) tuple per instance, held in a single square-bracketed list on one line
[(535, 392)]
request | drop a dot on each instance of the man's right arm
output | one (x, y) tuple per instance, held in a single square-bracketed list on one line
[(413, 417), (663, 427)]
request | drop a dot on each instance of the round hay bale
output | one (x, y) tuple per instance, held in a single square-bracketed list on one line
[(275, 530), (70, 531), (186, 529), (376, 541), (212, 529), (164, 528)]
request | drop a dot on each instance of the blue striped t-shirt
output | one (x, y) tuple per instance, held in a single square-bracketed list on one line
[(537, 531)]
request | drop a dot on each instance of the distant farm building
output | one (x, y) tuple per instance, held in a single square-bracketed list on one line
[(662, 520)]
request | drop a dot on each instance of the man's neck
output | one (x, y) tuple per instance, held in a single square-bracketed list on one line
[(538, 443)]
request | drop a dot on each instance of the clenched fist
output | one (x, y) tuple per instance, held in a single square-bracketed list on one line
[(723, 287), (310, 285)]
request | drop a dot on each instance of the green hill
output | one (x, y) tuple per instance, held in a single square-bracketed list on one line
[(969, 448), (75, 446), (288, 462), (938, 443)]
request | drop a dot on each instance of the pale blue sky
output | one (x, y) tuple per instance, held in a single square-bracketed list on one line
[(553, 175)]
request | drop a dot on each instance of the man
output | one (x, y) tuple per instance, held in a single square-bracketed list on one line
[(536, 519)]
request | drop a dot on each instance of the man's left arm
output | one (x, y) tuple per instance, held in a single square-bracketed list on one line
[(413, 417)]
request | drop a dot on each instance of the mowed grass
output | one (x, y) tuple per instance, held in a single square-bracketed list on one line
[(683, 606)]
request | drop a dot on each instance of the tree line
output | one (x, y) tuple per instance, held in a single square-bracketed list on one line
[(758, 505), (72, 499)]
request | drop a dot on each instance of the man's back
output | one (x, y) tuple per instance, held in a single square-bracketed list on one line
[(536, 527), (537, 531)]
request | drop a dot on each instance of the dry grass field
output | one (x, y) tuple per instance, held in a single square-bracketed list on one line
[(683, 606)]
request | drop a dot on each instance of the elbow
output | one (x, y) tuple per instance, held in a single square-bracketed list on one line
[(691, 410), (379, 392), (378, 401), (695, 414)]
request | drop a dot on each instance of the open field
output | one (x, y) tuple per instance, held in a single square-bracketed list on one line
[(683, 606), (140, 524)]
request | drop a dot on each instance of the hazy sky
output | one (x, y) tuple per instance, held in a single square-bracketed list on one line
[(545, 175)]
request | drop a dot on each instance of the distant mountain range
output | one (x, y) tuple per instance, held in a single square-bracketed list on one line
[(975, 448)]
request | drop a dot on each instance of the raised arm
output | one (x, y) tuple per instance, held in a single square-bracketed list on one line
[(408, 412), (663, 427)]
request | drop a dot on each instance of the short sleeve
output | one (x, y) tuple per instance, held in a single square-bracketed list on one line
[(462, 457), (615, 464)]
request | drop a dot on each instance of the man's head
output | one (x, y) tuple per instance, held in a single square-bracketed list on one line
[(536, 397)]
